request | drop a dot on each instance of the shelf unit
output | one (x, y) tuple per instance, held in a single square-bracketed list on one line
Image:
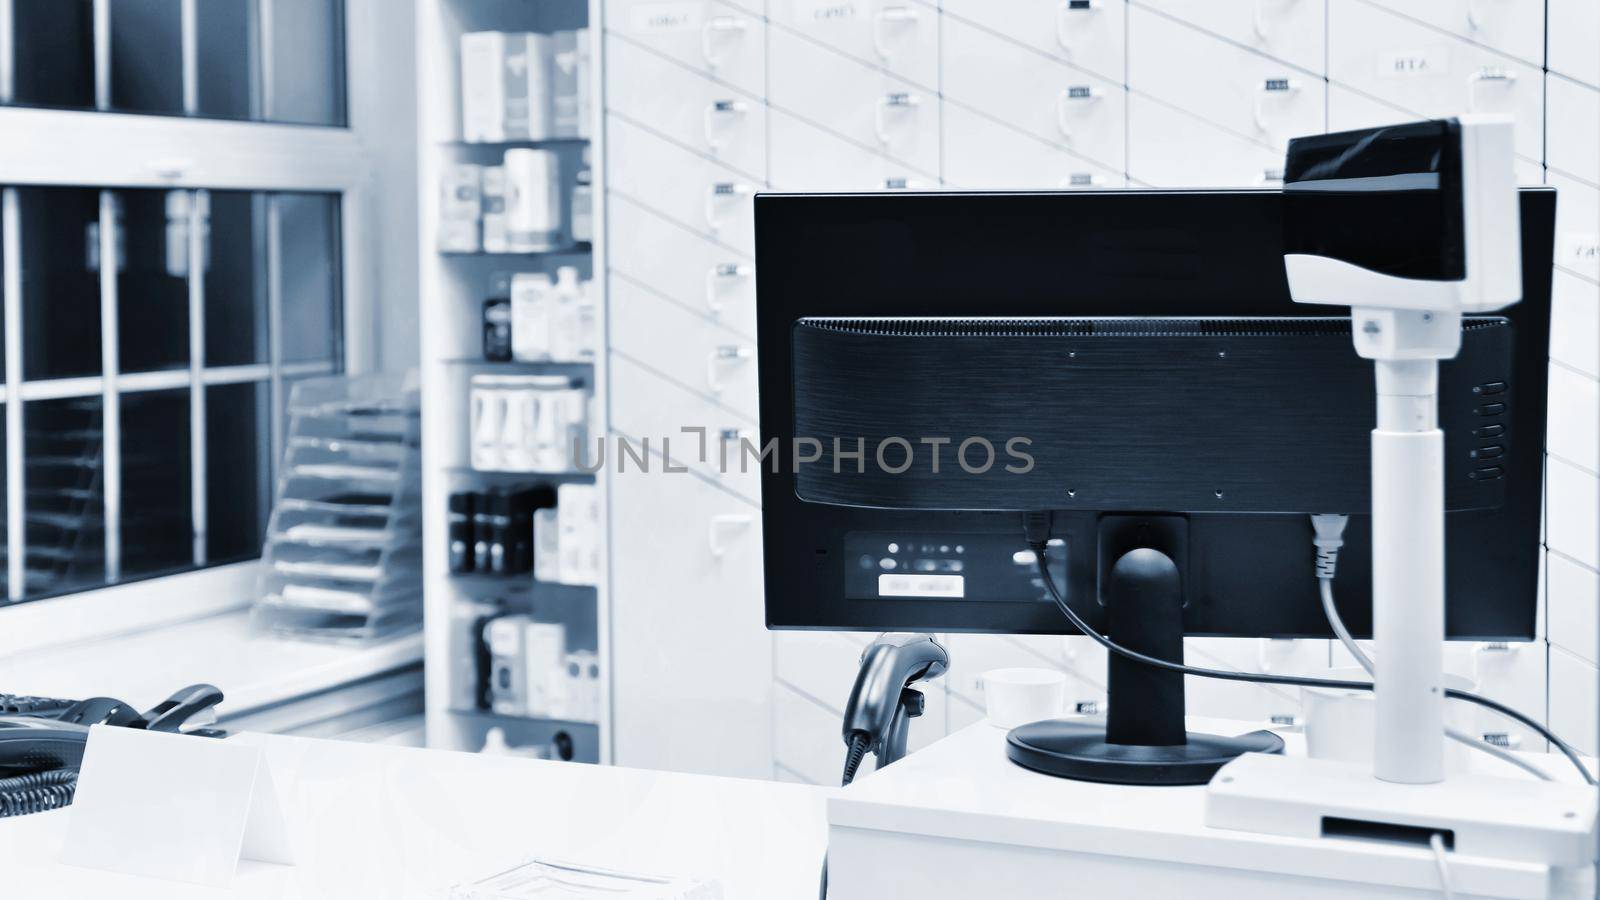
[(453, 288)]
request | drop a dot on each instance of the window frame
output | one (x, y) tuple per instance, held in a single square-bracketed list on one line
[(68, 148)]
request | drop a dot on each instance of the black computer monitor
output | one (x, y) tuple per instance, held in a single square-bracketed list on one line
[(1136, 360)]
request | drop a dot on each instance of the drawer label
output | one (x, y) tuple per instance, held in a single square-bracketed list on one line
[(821, 12), (1416, 63), (654, 18), (1579, 251)]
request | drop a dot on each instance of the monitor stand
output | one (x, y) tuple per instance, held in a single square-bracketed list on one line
[(1143, 740)]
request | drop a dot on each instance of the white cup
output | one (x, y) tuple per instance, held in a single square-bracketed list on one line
[(1013, 697), (1339, 723)]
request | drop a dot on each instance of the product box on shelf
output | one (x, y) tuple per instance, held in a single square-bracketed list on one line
[(527, 423), (505, 86)]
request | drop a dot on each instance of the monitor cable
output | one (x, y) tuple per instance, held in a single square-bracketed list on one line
[(1036, 528), (1329, 529)]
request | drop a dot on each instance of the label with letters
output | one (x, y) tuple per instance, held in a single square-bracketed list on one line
[(1580, 252), (1419, 62), (653, 18), (822, 12)]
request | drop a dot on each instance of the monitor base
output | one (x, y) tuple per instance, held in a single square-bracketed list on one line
[(1079, 750)]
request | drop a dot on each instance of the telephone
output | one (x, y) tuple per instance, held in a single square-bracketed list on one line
[(42, 740)]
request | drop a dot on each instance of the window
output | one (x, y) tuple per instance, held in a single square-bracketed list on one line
[(161, 298), (257, 60)]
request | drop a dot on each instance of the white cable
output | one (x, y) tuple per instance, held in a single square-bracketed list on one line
[(1443, 862), (1329, 539)]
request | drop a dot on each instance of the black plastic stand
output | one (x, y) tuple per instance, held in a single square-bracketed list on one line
[(1143, 740)]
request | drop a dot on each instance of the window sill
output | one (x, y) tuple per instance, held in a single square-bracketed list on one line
[(253, 670)]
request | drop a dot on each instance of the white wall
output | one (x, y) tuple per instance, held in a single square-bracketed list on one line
[(382, 67)]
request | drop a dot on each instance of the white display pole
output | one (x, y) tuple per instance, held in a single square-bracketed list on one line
[(1408, 573)]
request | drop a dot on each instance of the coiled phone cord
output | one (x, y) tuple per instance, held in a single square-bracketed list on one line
[(21, 795)]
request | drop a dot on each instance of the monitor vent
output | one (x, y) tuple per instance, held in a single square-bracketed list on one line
[(1305, 326)]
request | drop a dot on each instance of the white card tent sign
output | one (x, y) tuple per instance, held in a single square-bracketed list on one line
[(172, 806)]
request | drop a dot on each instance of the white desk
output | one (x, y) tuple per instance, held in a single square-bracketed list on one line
[(959, 820), (392, 823)]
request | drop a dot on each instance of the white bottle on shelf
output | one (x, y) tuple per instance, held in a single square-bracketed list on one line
[(532, 318), (533, 200), (583, 202), (566, 318)]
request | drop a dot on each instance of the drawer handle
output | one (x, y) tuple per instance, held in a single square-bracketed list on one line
[(898, 100), (719, 524), (716, 194), (890, 15), (1064, 18), (1496, 75), (709, 121), (902, 183), (1269, 176), (717, 274), (714, 26), (1270, 88), (719, 357), (1075, 94), (1081, 181), (1263, 28), (1474, 15)]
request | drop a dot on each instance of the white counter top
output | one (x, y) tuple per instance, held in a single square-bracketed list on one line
[(398, 824)]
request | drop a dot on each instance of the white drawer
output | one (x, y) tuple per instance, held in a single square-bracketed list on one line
[(862, 104), (1514, 27), (704, 357), (807, 739), (982, 154), (1513, 674), (647, 406), (971, 655), (1426, 74), (1574, 608), (701, 275), (1289, 30), (1051, 100), (1577, 225), (1574, 701), (691, 655), (1574, 35), (1251, 95), (901, 36), (687, 107), (1572, 512), (715, 38), (1235, 699), (1575, 418), (1172, 149), (705, 196), (806, 158), (822, 664), (1575, 322), (1087, 33), (1574, 139)]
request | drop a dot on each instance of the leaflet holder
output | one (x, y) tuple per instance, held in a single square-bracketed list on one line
[(173, 807)]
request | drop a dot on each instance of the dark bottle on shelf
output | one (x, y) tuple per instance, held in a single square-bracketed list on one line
[(460, 531), (483, 531), (497, 319)]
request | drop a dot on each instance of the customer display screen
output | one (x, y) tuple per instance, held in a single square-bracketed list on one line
[(1389, 202), (883, 565)]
